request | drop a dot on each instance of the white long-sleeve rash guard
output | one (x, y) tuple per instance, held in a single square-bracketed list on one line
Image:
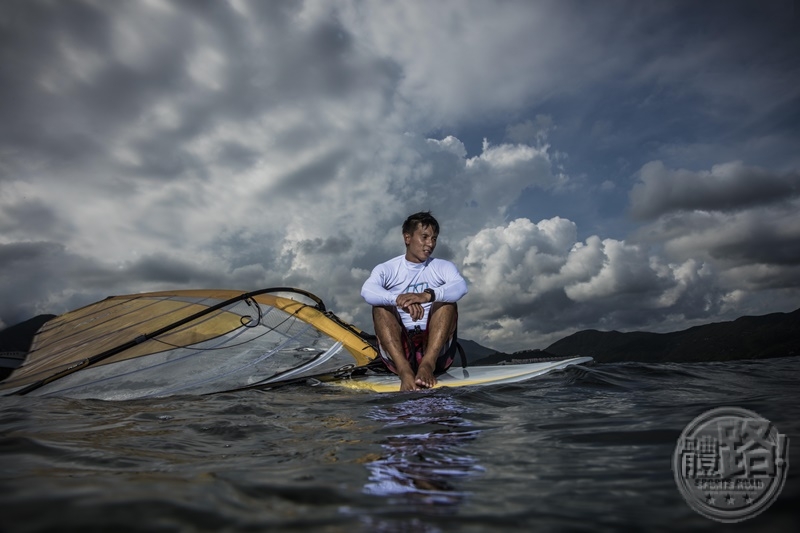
[(398, 276)]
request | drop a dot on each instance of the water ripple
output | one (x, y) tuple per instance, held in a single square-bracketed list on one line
[(585, 449)]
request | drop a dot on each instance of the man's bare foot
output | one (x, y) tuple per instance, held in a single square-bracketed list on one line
[(425, 378), (407, 382)]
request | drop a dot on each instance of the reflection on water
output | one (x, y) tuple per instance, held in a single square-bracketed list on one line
[(423, 451)]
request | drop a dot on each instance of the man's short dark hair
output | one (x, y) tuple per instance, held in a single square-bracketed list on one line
[(421, 219)]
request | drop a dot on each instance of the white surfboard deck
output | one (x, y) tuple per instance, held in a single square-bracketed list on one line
[(457, 376)]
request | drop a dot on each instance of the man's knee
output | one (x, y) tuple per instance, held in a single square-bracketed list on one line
[(385, 317), (447, 307), (384, 312), (445, 314)]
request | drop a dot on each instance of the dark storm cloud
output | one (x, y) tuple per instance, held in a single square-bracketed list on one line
[(33, 217), (34, 273), (764, 245), (55, 112), (727, 187), (160, 268), (331, 245), (763, 235), (307, 177), (164, 161), (44, 277), (245, 248), (236, 157), (51, 109)]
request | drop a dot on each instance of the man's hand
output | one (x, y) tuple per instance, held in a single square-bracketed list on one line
[(411, 303)]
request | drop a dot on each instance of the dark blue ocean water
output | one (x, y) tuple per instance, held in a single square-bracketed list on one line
[(585, 449)]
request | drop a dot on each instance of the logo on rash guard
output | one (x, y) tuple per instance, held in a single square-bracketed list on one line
[(417, 287)]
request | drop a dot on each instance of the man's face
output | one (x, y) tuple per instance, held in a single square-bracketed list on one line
[(420, 244)]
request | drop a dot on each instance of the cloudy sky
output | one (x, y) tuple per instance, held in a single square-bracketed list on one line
[(610, 165)]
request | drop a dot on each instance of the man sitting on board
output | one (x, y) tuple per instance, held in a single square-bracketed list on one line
[(414, 310)]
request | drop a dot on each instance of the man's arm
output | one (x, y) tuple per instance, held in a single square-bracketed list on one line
[(411, 303), (374, 292), (453, 286)]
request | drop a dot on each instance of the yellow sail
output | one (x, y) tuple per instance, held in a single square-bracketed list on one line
[(186, 342)]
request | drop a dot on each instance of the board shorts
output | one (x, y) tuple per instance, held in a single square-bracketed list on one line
[(414, 342)]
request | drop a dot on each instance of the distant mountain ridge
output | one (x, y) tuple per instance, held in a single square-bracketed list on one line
[(15, 342), (474, 351), (748, 337)]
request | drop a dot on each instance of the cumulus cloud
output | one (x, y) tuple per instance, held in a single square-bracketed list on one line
[(539, 278)]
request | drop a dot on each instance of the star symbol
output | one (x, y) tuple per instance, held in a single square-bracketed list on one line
[(710, 499), (729, 499), (747, 499)]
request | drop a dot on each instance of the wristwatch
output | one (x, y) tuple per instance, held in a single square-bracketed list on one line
[(433, 294)]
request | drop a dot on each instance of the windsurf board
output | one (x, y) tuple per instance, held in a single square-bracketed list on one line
[(458, 376)]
